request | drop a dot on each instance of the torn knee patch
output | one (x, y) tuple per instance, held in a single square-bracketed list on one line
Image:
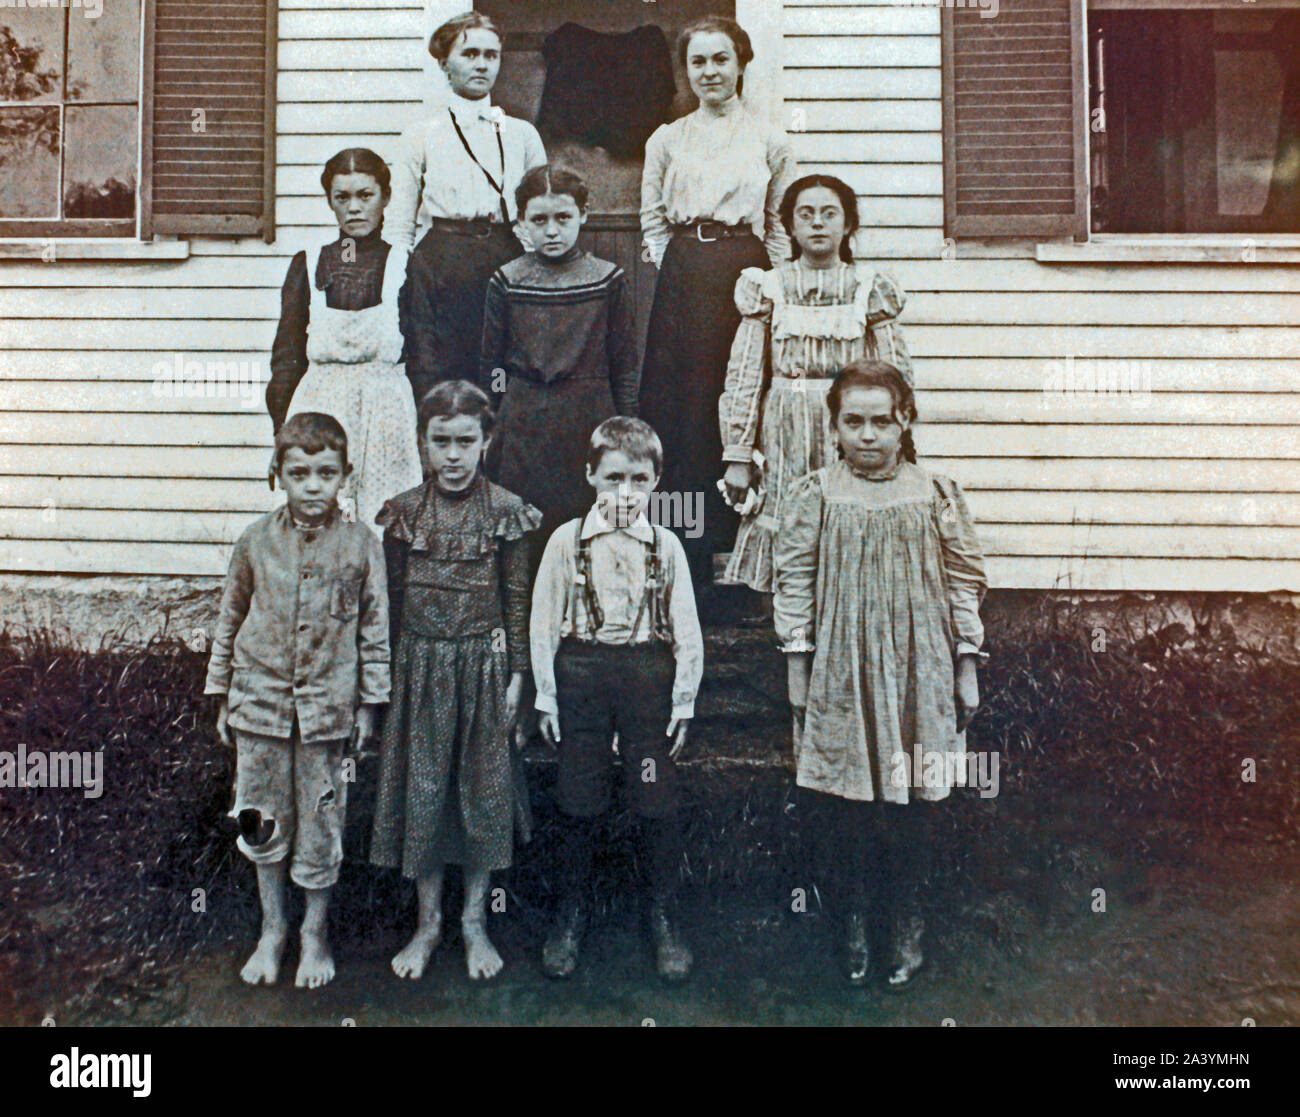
[(255, 828)]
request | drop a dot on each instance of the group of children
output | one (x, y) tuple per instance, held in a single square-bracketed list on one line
[(519, 568)]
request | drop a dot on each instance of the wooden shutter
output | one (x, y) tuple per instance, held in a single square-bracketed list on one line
[(1015, 110), (209, 127)]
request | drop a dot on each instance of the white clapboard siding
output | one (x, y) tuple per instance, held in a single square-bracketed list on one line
[(1114, 426)]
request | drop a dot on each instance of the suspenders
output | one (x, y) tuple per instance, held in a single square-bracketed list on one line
[(653, 598)]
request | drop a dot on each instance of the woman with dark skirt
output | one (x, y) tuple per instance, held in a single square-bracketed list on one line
[(710, 207), (459, 170)]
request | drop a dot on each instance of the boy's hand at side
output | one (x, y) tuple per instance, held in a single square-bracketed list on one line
[(223, 723), (677, 731), (966, 691), (549, 724), (364, 730)]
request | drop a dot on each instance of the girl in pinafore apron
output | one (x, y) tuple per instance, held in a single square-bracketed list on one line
[(338, 349), (800, 324), (879, 580)]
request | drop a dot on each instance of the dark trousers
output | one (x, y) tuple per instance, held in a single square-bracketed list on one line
[(446, 287), (627, 689)]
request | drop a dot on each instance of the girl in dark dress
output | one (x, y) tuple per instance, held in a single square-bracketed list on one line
[(559, 329), (451, 788), (710, 207)]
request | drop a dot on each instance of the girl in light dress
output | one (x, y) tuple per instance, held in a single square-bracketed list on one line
[(879, 580), (801, 323)]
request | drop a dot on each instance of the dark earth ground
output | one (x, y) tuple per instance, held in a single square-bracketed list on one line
[(1120, 771), (1214, 942)]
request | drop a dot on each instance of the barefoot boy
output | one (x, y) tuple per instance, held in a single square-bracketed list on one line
[(617, 649), (300, 660)]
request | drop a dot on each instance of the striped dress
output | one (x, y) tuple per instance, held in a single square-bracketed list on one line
[(799, 327), (559, 338)]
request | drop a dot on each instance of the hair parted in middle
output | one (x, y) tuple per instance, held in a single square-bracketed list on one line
[(357, 161), (877, 374), (453, 398), (448, 35), (547, 179), (634, 438), (848, 202), (719, 25)]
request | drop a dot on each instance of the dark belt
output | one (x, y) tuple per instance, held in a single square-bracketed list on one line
[(481, 227), (711, 230)]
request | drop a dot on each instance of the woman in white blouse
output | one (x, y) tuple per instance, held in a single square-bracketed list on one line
[(458, 170), (710, 201)]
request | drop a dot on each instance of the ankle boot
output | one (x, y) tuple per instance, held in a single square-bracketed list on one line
[(673, 957), (564, 940), (857, 949), (907, 956)]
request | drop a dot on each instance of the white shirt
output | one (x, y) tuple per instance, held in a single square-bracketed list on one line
[(433, 175), (729, 166), (618, 569)]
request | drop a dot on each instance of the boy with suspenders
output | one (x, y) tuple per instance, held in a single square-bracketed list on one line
[(617, 650)]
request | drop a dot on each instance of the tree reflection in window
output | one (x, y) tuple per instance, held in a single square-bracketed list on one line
[(69, 119)]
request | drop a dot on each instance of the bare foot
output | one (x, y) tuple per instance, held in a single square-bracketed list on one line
[(316, 963), (263, 968), (480, 955), (414, 956)]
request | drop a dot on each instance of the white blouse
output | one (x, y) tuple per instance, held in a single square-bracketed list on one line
[(731, 167), (433, 175)]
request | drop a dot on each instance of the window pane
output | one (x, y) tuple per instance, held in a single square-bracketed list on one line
[(31, 54), (99, 164), (1247, 114), (29, 162), (104, 53)]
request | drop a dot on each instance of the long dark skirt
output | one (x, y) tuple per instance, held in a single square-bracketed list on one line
[(451, 784), (540, 448), (446, 287), (692, 325)]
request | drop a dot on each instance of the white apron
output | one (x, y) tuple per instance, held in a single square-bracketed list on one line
[(355, 374)]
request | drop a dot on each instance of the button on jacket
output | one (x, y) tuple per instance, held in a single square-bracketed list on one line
[(303, 628)]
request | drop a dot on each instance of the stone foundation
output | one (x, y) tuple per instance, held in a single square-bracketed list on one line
[(95, 611)]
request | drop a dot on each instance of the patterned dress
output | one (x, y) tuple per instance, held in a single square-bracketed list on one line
[(451, 786), (355, 374), (881, 579), (799, 327)]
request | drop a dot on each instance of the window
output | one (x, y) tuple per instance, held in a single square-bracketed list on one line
[(70, 119), (1134, 116), (122, 118), (1195, 122)]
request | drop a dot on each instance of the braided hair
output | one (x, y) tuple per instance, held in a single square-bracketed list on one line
[(877, 374)]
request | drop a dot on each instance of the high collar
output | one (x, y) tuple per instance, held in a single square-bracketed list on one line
[(367, 243), (466, 109), (459, 494), (729, 107), (557, 261), (596, 524)]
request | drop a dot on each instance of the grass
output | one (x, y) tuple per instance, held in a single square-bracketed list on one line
[(1138, 747)]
